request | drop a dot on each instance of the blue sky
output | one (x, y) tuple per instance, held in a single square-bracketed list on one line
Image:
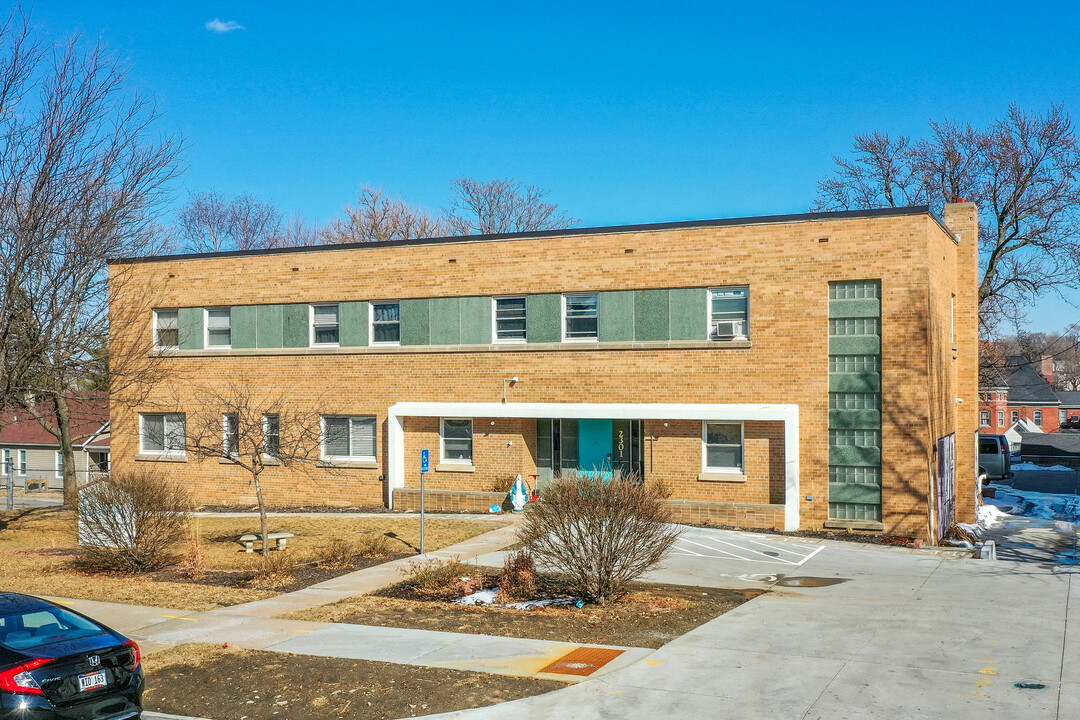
[(628, 112)]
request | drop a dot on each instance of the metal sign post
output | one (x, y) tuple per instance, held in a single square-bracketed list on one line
[(425, 466)]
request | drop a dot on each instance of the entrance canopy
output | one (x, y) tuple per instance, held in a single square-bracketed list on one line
[(787, 414)]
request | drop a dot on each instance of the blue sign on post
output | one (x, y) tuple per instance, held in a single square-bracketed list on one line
[(425, 461)]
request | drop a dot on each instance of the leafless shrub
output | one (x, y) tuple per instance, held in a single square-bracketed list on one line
[(438, 579), (195, 557), (503, 484), (373, 545), (600, 534), (518, 579), (129, 521), (272, 571)]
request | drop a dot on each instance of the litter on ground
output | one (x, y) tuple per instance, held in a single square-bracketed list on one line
[(487, 597)]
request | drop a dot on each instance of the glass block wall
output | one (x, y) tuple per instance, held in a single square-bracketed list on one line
[(855, 400)]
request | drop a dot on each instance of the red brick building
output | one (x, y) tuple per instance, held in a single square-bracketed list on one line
[(1025, 390)]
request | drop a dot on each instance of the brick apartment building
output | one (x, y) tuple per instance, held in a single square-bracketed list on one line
[(789, 372), (1025, 390)]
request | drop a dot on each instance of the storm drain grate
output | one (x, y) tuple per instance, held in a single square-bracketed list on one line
[(583, 661)]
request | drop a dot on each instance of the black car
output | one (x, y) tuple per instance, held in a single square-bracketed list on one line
[(58, 664)]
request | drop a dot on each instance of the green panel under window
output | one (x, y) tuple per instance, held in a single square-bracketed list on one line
[(689, 309), (855, 382), (476, 321), (857, 456), (854, 493), (854, 419), (294, 326), (244, 324), (855, 345), (268, 326), (862, 307), (543, 317), (353, 317), (445, 321), (617, 316), (191, 328), (651, 315), (415, 329)]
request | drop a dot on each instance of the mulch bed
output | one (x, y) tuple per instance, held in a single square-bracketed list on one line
[(256, 685), (651, 615), (293, 509)]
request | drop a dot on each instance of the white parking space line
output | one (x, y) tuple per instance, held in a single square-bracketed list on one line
[(746, 550)]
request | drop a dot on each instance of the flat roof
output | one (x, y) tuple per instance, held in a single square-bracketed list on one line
[(601, 230)]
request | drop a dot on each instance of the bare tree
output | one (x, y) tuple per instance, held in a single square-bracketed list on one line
[(377, 217), (1022, 170), (502, 206), (254, 431), (82, 176), (212, 222)]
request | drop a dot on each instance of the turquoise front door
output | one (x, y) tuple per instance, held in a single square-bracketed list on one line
[(594, 446)]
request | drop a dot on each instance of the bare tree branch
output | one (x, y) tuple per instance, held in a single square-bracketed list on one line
[(377, 218), (502, 206)]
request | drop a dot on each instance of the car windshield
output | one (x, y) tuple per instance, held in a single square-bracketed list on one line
[(43, 626)]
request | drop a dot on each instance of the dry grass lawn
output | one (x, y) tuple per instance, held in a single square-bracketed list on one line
[(38, 547)]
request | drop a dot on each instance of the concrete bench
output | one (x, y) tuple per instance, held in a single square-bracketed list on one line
[(278, 540)]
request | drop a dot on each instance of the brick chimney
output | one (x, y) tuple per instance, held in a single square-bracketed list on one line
[(1046, 368)]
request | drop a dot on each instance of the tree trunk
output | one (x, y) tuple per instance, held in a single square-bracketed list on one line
[(263, 522), (67, 450)]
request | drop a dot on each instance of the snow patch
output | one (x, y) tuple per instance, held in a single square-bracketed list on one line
[(487, 597), (1049, 506), (1033, 466)]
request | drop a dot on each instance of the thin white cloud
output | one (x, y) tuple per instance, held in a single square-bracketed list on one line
[(218, 26)]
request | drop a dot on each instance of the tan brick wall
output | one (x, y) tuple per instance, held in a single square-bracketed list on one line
[(786, 265), (501, 449)]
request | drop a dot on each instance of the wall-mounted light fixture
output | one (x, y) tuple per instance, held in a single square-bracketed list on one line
[(511, 382)]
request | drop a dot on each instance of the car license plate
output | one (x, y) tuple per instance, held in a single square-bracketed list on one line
[(89, 681)]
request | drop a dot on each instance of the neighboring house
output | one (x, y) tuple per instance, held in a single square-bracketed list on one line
[(1022, 390), (35, 453), (1059, 448), (800, 371)]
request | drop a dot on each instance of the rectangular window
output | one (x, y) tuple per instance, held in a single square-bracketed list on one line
[(22, 462), (1063, 416), (324, 325), (219, 327), (854, 326), (7, 462), (1015, 416), (510, 321), (855, 438), (854, 363), (457, 440), (385, 323), (984, 418), (581, 317), (348, 438), (272, 436), (723, 446), (854, 401), (59, 464), (729, 313), (166, 329), (162, 433), (1037, 417), (230, 435), (1001, 418), (854, 290)]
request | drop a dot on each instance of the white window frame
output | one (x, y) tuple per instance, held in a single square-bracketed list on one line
[(581, 340), (1063, 416), (347, 458), (371, 323), (708, 313), (495, 320), (227, 451), (984, 414), (311, 325), (1037, 417), (7, 459), (206, 328), (1001, 418), (22, 463), (1015, 415), (158, 345), (165, 451), (59, 464), (705, 467), (442, 442), (265, 427)]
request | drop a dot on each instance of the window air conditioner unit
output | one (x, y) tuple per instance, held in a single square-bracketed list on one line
[(729, 329)]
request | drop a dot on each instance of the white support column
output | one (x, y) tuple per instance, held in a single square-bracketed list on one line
[(791, 471), (395, 455)]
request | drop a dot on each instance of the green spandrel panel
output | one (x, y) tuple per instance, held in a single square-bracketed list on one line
[(651, 315), (191, 328), (244, 325), (476, 321), (855, 382), (354, 324), (854, 493), (688, 313), (294, 325), (445, 321), (854, 419), (855, 345), (862, 307), (268, 326), (617, 316), (415, 329), (543, 315), (855, 456)]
